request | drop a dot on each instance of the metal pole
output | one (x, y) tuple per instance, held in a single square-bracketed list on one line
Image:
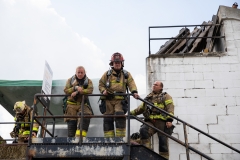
[(186, 141), (149, 48), (81, 120)]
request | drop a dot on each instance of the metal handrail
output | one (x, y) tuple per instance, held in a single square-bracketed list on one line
[(185, 144), (201, 25), (206, 134), (175, 139)]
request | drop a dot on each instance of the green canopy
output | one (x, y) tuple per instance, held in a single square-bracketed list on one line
[(13, 91)]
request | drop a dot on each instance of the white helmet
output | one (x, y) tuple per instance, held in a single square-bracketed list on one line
[(19, 106)]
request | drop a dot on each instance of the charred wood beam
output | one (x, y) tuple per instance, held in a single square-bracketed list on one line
[(215, 31), (183, 43), (177, 43), (190, 42), (171, 42), (210, 34), (197, 43)]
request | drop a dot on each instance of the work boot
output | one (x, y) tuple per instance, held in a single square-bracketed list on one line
[(146, 143), (72, 126), (164, 154), (77, 134)]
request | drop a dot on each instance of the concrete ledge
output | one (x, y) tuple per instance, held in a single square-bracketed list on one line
[(13, 151)]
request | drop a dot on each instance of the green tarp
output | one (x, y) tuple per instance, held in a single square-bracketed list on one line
[(13, 91)]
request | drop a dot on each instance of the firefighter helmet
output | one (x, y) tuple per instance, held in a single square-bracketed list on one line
[(116, 57), (19, 106)]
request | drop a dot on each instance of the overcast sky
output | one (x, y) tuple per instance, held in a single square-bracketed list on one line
[(69, 33)]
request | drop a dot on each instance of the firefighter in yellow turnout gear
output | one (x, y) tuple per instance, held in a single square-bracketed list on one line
[(115, 80), (156, 118), (77, 86), (23, 115)]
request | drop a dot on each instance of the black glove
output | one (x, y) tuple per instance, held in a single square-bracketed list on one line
[(102, 106), (169, 131), (149, 109), (135, 136), (124, 106)]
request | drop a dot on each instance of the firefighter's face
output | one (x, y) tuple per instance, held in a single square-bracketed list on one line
[(21, 113), (157, 86), (80, 73), (117, 65)]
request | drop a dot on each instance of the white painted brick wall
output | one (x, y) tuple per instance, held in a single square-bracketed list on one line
[(236, 25), (203, 84), (237, 146), (229, 59), (203, 147), (238, 101), (193, 76), (237, 43), (181, 110), (218, 148), (228, 26), (178, 148), (214, 156), (176, 68), (215, 101), (189, 102), (207, 119), (215, 128), (195, 93), (213, 60), (230, 44), (202, 68), (233, 110), (205, 139), (175, 76), (236, 35), (220, 67), (223, 83), (188, 118), (202, 127), (175, 92), (214, 93), (236, 83), (231, 156), (235, 67), (232, 92), (178, 61), (232, 51), (191, 156), (206, 94), (230, 101), (229, 36), (230, 138), (177, 84), (192, 138), (228, 120)]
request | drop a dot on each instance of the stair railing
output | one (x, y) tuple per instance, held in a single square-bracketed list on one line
[(186, 145)]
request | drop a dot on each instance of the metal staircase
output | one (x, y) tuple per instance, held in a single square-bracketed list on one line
[(89, 148), (54, 147)]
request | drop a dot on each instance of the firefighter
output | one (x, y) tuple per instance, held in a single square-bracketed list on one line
[(77, 86), (22, 130), (154, 117), (2, 141), (115, 80)]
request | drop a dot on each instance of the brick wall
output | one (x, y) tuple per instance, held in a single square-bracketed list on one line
[(206, 94)]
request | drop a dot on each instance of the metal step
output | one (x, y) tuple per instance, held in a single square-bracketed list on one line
[(140, 152), (88, 148)]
